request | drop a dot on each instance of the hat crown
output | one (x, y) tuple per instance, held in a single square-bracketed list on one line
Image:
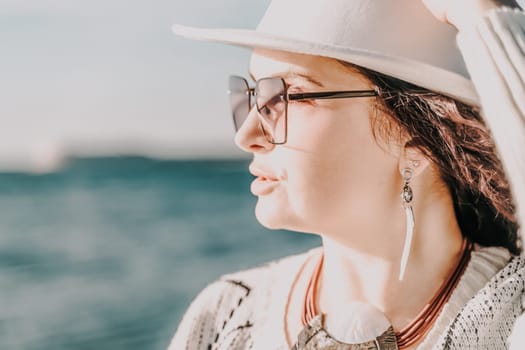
[(400, 28), (400, 38)]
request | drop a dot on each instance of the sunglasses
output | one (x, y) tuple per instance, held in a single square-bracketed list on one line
[(270, 97)]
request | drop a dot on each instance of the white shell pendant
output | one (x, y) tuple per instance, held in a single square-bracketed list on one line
[(356, 323)]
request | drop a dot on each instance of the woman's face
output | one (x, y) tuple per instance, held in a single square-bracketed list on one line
[(331, 173)]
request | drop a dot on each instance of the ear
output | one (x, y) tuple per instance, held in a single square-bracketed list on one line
[(413, 159)]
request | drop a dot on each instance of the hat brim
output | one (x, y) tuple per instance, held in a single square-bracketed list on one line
[(415, 72)]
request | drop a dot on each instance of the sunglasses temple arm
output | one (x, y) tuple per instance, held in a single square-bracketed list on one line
[(331, 95)]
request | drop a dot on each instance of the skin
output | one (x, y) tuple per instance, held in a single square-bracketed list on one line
[(336, 180)]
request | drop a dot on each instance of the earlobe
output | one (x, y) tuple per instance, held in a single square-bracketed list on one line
[(413, 159)]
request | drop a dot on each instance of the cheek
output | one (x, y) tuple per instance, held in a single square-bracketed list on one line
[(316, 192), (316, 178), (329, 148), (333, 163), (329, 133)]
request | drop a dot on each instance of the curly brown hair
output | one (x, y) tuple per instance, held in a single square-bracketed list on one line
[(453, 136)]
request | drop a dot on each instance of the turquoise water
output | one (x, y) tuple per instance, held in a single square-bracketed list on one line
[(108, 252)]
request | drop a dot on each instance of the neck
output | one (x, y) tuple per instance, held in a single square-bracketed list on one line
[(369, 273)]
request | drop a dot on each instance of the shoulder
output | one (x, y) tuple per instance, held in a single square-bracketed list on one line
[(488, 318), (507, 285), (228, 308), (513, 273), (507, 288)]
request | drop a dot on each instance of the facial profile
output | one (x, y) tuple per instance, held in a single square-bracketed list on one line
[(332, 170)]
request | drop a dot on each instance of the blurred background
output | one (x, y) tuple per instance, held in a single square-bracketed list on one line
[(121, 191)]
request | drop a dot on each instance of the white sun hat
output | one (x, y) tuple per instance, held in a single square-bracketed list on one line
[(400, 38)]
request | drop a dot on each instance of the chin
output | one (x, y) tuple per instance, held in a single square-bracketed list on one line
[(271, 215), (279, 213)]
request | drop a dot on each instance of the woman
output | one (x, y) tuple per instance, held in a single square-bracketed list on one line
[(355, 103)]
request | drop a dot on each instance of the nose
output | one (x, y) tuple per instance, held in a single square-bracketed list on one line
[(250, 137)]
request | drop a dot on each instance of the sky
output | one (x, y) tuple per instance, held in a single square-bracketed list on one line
[(101, 77), (109, 76)]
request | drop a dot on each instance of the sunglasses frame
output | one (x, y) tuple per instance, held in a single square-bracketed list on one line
[(300, 96)]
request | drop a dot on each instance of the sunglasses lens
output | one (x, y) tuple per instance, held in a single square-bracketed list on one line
[(271, 105), (239, 100)]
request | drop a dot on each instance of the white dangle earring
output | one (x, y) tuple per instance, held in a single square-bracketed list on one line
[(406, 200)]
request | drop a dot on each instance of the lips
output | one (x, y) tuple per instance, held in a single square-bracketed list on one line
[(265, 181), (262, 173)]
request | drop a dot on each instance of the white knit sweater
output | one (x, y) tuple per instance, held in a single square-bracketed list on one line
[(246, 310)]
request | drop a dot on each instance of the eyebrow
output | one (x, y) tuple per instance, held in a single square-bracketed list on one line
[(292, 75)]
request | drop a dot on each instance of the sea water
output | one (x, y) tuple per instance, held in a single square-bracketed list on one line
[(107, 253)]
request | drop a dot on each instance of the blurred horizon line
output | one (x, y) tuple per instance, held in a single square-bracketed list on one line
[(53, 158)]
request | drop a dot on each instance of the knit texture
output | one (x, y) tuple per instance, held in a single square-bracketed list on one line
[(486, 322), (246, 310)]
